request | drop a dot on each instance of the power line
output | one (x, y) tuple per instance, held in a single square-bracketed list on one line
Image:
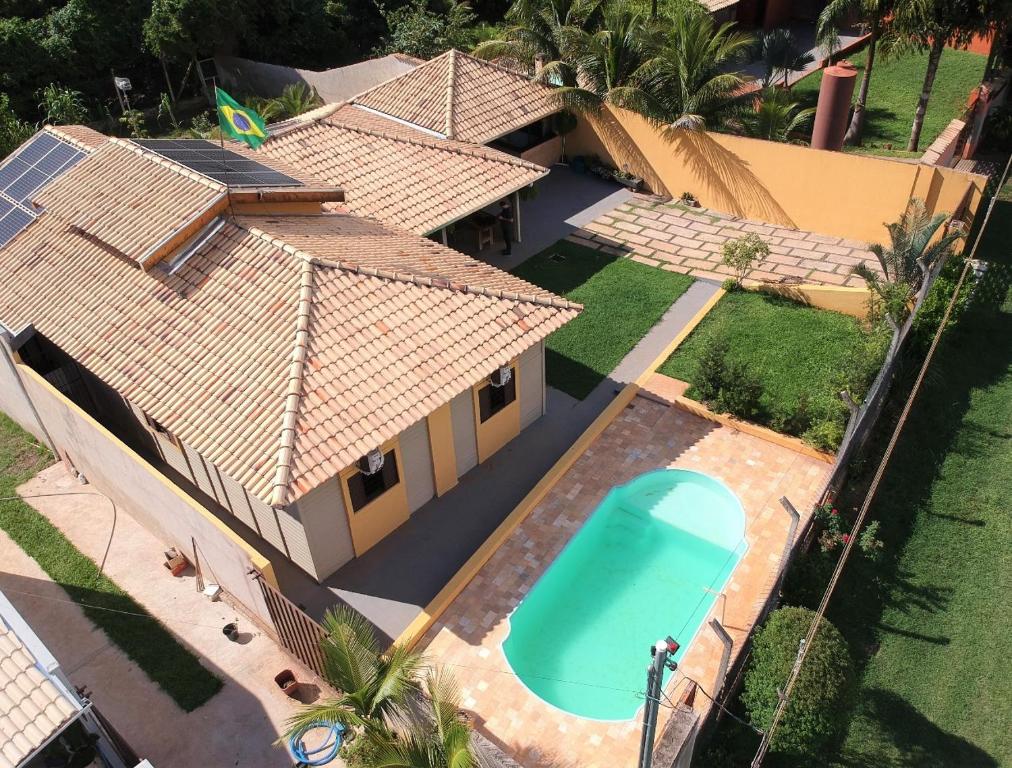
[(147, 616), (870, 495)]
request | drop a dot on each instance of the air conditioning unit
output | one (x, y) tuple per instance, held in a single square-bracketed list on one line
[(371, 463), (501, 377)]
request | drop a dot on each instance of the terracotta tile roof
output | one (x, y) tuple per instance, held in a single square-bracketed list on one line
[(284, 348), (396, 174), (129, 199), (32, 707), (462, 98), (79, 135)]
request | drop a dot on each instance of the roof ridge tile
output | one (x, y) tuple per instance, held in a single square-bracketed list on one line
[(296, 379), (66, 137), (440, 144), (451, 82), (412, 278)]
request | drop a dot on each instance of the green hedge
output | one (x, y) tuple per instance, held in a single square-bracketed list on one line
[(813, 717)]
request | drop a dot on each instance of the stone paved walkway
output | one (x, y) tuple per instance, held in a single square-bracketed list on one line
[(689, 240), (647, 435)]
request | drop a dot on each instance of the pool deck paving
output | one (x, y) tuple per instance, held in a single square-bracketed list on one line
[(689, 240), (649, 434)]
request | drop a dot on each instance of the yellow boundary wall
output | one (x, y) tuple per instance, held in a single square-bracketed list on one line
[(847, 301), (259, 561), (414, 632)]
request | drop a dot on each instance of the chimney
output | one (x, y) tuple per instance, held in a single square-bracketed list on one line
[(832, 113)]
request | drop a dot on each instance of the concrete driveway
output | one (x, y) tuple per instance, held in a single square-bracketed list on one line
[(237, 727)]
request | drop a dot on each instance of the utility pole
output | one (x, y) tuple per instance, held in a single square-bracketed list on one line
[(660, 651)]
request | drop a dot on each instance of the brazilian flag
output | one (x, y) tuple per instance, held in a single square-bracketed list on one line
[(239, 122)]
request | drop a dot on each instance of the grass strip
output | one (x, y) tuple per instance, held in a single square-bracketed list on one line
[(143, 639), (622, 300), (893, 92), (933, 617), (794, 350)]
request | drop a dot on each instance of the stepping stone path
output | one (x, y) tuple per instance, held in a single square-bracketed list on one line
[(688, 240)]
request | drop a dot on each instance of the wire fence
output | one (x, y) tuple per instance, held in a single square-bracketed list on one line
[(985, 294)]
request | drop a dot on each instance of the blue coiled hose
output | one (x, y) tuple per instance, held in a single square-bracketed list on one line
[(323, 754)]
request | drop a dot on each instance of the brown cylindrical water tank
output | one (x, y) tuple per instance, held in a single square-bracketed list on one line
[(833, 109)]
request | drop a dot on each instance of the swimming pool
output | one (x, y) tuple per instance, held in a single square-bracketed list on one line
[(649, 562)]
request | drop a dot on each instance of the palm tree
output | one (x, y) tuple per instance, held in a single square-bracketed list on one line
[(875, 14), (542, 35), (908, 260), (374, 686), (434, 736), (780, 51), (688, 78), (297, 98), (931, 25), (777, 117), (612, 64)]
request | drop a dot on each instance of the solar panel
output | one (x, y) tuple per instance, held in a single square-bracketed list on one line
[(25, 173), (13, 222), (224, 165)]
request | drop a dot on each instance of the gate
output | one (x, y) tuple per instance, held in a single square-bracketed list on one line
[(298, 633)]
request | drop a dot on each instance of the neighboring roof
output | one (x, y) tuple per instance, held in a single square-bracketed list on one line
[(718, 5), (396, 174), (462, 98), (333, 85), (284, 348), (34, 706)]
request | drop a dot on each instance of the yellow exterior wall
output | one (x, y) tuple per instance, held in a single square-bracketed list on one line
[(503, 426), (444, 458), (383, 514), (849, 301), (832, 193)]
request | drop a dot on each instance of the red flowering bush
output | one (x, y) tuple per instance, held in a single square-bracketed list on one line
[(835, 532)]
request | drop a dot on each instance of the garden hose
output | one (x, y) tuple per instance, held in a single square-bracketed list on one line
[(321, 755)]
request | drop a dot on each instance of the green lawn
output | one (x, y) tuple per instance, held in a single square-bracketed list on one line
[(895, 88), (142, 638), (622, 300), (937, 689), (795, 351)]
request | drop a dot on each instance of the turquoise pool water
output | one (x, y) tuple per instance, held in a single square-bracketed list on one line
[(649, 562)]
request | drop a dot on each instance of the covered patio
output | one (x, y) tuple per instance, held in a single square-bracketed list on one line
[(556, 205)]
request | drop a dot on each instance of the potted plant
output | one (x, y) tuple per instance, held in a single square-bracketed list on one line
[(627, 179), (689, 199)]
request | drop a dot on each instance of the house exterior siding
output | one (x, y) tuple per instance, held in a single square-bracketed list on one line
[(532, 390), (465, 439), (325, 521), (278, 527), (416, 456)]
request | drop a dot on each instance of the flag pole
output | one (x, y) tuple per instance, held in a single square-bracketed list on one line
[(221, 140)]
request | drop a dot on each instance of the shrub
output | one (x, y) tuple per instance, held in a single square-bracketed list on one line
[(826, 434), (743, 254), (740, 393), (726, 385), (794, 422), (360, 752), (812, 718), (711, 370)]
